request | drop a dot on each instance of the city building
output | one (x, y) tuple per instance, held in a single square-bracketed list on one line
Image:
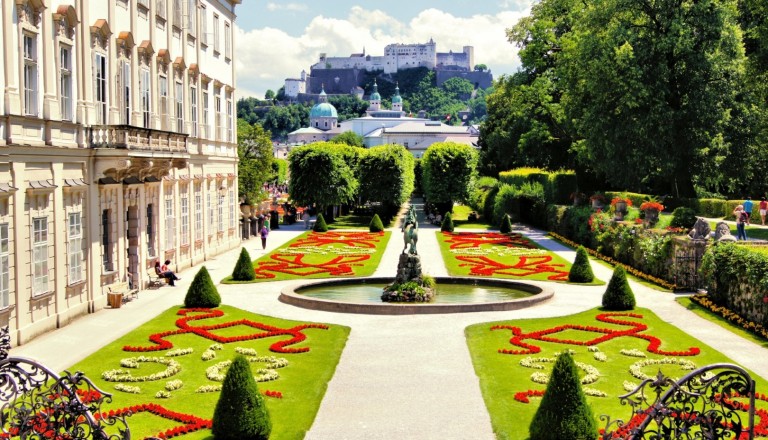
[(117, 149)]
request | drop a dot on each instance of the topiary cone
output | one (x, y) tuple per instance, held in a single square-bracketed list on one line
[(581, 271), (618, 295), (240, 413), (447, 225), (320, 225), (244, 267), (563, 412), (202, 292), (376, 225), (506, 225)]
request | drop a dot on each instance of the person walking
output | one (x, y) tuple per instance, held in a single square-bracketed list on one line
[(741, 220), (763, 210), (748, 208), (264, 233), (305, 217)]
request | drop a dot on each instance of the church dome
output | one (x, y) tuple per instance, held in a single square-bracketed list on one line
[(375, 95), (323, 110), (397, 99)]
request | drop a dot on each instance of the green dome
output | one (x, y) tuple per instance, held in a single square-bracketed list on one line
[(323, 110), (375, 95), (397, 99)]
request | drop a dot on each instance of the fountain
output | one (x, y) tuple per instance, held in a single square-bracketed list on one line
[(410, 284)]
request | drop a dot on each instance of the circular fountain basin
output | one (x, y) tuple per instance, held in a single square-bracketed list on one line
[(454, 295)]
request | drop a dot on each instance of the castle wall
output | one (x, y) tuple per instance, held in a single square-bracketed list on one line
[(482, 80)]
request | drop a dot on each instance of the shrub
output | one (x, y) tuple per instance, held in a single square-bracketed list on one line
[(506, 203), (562, 184), (376, 225), (447, 225), (618, 296), (240, 413), (243, 268), (563, 412), (581, 271), (320, 225), (683, 218), (506, 225), (714, 208), (202, 292)]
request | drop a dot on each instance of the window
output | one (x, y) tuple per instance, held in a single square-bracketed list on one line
[(100, 65), (198, 213), (170, 224), (160, 11), (231, 208), (215, 33), (5, 267), (30, 75), (106, 240), (210, 211), (217, 105), (145, 97), (179, 107), (75, 247), (221, 212), (227, 40), (192, 17), (205, 113), (151, 230), (39, 255), (125, 92), (193, 109), (144, 3), (177, 13), (162, 85), (203, 25), (229, 118), (65, 74), (184, 218)]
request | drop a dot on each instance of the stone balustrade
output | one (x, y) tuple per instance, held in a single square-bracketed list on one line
[(136, 138)]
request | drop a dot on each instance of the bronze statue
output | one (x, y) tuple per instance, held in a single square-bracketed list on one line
[(410, 231)]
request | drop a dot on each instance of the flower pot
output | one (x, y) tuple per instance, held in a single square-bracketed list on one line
[(621, 207), (651, 216)]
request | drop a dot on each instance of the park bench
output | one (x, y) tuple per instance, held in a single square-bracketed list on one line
[(156, 281), (121, 292)]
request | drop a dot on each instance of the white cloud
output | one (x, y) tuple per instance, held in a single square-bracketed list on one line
[(267, 56), (297, 7), (515, 5)]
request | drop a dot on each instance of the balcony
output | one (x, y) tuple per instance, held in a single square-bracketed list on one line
[(127, 137)]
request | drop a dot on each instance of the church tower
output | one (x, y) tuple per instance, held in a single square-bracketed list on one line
[(397, 100), (375, 98)]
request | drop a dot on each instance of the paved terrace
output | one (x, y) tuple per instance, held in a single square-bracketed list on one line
[(403, 377)]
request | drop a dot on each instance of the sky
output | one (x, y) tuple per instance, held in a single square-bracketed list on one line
[(278, 39)]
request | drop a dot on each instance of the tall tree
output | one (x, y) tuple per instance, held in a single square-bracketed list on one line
[(386, 175), (320, 174), (254, 151), (449, 170)]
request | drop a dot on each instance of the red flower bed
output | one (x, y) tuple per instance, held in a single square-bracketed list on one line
[(523, 396), (191, 423), (351, 239), (293, 264), (607, 334), (526, 266), (464, 240), (161, 343)]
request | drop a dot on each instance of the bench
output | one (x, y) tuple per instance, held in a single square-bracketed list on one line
[(156, 281), (124, 288)]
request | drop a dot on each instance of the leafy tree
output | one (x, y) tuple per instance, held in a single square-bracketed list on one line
[(244, 267), (202, 292), (564, 412), (279, 170), (281, 120), (581, 271), (376, 225), (448, 173), (458, 88), (254, 151), (481, 67), (320, 174), (240, 413), (618, 295), (386, 175), (348, 106), (269, 95), (349, 138), (280, 96)]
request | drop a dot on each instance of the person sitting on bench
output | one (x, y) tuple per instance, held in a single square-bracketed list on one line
[(166, 272)]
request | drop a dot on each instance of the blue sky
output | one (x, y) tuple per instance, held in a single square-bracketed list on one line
[(278, 39)]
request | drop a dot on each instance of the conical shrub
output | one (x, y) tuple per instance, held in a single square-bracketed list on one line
[(202, 292), (563, 412), (618, 296), (244, 268), (320, 225), (376, 224), (240, 413), (506, 225), (581, 271), (447, 225)]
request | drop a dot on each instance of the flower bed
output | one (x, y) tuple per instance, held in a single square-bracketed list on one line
[(491, 254), (735, 318)]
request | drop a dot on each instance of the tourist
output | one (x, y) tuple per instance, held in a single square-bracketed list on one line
[(165, 272), (748, 208), (763, 210), (741, 220), (305, 216), (264, 233)]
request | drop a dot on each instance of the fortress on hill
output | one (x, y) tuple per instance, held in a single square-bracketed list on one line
[(345, 75)]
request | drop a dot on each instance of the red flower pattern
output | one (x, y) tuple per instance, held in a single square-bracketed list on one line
[(350, 239), (464, 240), (294, 265), (526, 266)]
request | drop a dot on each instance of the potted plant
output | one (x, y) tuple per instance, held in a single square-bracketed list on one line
[(651, 209), (598, 200), (577, 197), (620, 206)]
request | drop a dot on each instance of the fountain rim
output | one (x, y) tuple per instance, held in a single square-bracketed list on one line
[(539, 294)]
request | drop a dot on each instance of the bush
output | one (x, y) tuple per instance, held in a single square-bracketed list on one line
[(447, 225), (563, 412), (618, 296), (506, 203), (506, 225), (240, 413), (713, 208), (683, 218), (376, 225), (562, 185), (581, 271), (320, 225), (202, 292), (244, 267)]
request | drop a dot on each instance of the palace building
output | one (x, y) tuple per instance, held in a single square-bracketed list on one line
[(117, 148)]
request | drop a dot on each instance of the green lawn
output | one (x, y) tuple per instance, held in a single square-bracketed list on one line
[(353, 221), (302, 382), (322, 255), (460, 215), (501, 256), (502, 375)]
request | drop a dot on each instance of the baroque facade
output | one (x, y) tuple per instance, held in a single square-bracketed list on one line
[(117, 148)]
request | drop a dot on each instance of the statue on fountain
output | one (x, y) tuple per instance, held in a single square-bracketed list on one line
[(410, 285)]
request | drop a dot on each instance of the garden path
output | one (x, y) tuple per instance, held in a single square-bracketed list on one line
[(402, 377)]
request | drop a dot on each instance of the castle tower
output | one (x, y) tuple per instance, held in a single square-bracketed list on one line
[(375, 98), (397, 100)]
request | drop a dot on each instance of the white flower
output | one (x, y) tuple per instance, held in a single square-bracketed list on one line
[(173, 385), (208, 389), (636, 369), (633, 353), (118, 375), (163, 395), (600, 357), (179, 352), (127, 388), (593, 392), (208, 355)]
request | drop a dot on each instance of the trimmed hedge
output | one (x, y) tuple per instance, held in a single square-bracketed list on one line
[(506, 225), (376, 225), (244, 267), (202, 292), (581, 270), (320, 225), (557, 185), (240, 413), (713, 208), (447, 225), (683, 218), (618, 296)]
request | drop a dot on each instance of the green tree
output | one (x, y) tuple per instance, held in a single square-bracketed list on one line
[(240, 412), (506, 225), (349, 138), (320, 225), (386, 175), (449, 170), (618, 295), (581, 270), (447, 224), (283, 119), (348, 106), (563, 412), (269, 95), (244, 267), (321, 175), (376, 225), (254, 151), (202, 292), (458, 89), (481, 67)]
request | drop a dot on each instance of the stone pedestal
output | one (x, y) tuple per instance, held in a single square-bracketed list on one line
[(408, 271), (408, 268)]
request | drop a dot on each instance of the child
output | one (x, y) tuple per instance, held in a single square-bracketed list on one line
[(264, 233)]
